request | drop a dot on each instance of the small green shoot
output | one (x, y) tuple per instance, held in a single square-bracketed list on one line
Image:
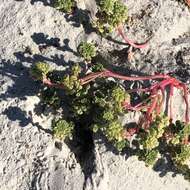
[(40, 70), (65, 5), (87, 51), (62, 129), (111, 14)]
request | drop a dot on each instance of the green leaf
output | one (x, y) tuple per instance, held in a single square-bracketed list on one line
[(184, 154), (87, 50), (40, 70), (65, 5), (149, 157), (111, 14), (62, 129), (150, 138)]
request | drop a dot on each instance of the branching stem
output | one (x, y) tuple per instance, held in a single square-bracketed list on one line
[(130, 42), (156, 98)]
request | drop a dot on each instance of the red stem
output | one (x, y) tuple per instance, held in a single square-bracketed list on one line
[(138, 107), (114, 75), (91, 77), (130, 42), (50, 84), (171, 101), (186, 101), (163, 98), (108, 73), (138, 90), (151, 108), (167, 80), (158, 106)]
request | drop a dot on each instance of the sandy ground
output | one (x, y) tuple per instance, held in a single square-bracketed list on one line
[(29, 158)]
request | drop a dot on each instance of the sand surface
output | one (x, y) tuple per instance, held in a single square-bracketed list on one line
[(30, 159)]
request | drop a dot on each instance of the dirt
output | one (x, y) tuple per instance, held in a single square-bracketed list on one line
[(31, 31)]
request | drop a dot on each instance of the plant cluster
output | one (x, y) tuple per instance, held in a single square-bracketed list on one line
[(62, 129), (111, 14), (178, 137), (87, 50), (108, 99), (96, 100)]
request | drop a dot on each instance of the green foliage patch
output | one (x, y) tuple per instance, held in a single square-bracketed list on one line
[(111, 14), (87, 50), (62, 129), (96, 99), (98, 105), (65, 5)]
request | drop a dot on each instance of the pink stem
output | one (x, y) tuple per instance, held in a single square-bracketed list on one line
[(50, 84), (158, 106), (91, 77), (138, 90), (140, 46), (151, 108), (186, 101), (138, 107), (115, 75), (153, 89), (163, 98), (108, 73), (171, 101), (162, 84)]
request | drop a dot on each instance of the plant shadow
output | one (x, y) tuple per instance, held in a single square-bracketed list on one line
[(45, 2), (80, 17), (16, 114), (44, 41), (19, 75), (20, 88), (77, 18), (164, 166), (82, 146)]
